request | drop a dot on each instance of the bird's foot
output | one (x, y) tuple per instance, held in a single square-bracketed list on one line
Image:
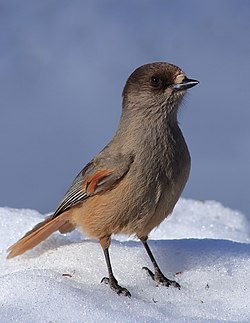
[(113, 284), (159, 278)]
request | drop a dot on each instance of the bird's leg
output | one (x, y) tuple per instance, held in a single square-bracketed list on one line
[(111, 281), (158, 276)]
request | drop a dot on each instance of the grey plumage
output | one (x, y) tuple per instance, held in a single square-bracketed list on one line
[(136, 180)]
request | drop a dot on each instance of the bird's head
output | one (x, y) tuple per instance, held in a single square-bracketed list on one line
[(156, 85)]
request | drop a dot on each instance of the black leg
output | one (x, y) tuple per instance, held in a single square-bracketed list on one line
[(111, 281), (158, 276)]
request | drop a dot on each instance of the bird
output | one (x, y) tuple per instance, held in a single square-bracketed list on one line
[(134, 182)]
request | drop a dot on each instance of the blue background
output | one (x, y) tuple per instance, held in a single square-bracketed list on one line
[(63, 65)]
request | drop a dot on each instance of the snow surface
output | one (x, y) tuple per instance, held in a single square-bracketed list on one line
[(203, 245)]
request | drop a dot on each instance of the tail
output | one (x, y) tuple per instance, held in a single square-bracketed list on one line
[(39, 233)]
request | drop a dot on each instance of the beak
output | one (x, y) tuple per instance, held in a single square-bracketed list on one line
[(185, 84)]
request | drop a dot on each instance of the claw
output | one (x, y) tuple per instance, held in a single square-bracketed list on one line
[(159, 278), (113, 284), (149, 272)]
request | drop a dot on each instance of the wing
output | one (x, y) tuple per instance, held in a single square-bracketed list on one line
[(92, 180)]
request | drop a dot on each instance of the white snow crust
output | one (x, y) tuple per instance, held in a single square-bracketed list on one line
[(203, 245)]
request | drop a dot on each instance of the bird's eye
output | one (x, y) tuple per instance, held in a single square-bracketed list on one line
[(155, 81)]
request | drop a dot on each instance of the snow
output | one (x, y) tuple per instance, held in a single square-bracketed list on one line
[(203, 245)]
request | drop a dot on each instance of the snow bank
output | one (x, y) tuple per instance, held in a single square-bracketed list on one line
[(204, 246)]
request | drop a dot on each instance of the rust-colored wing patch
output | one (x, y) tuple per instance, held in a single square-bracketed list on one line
[(97, 179), (94, 179)]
